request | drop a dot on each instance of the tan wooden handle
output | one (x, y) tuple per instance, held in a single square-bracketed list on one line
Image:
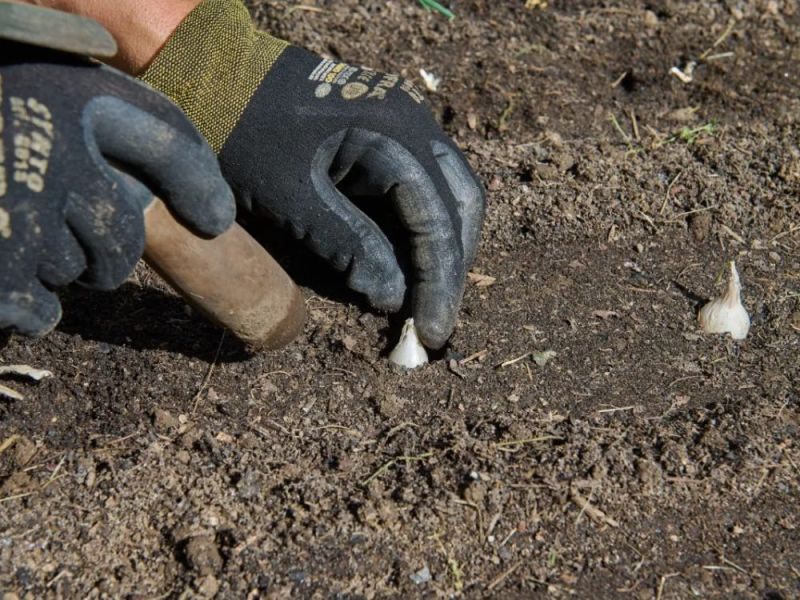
[(231, 279)]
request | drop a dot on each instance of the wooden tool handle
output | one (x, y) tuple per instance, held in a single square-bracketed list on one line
[(231, 279)]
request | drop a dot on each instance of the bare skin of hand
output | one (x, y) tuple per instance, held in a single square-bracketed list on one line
[(141, 27)]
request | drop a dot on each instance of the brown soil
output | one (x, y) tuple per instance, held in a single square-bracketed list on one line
[(643, 461)]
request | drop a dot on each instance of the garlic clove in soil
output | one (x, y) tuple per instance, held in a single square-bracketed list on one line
[(726, 314), (409, 352), (431, 81)]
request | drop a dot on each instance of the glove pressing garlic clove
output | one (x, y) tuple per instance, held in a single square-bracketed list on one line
[(305, 140), (726, 314)]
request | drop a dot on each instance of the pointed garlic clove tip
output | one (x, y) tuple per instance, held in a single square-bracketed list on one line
[(409, 352), (726, 314)]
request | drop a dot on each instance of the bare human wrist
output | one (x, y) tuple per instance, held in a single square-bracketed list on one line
[(141, 27)]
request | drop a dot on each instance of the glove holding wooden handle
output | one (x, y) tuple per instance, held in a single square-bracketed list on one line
[(66, 214)]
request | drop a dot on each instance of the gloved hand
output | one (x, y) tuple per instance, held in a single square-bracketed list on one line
[(299, 137), (65, 211)]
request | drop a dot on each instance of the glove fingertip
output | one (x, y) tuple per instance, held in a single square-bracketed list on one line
[(29, 316), (385, 297), (432, 334), (211, 213), (379, 278), (182, 170), (434, 311)]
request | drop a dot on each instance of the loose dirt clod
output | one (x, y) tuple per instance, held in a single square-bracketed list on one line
[(202, 555), (164, 420)]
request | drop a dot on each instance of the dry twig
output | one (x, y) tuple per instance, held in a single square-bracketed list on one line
[(592, 511)]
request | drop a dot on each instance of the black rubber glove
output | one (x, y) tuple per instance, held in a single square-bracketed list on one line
[(290, 127), (301, 136), (65, 212)]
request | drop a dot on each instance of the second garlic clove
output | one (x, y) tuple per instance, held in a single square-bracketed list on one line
[(726, 314), (409, 352)]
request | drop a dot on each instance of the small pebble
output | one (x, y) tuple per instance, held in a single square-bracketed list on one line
[(421, 576), (202, 555)]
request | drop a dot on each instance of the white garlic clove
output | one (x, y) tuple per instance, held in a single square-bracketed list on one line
[(726, 314), (409, 352), (431, 81)]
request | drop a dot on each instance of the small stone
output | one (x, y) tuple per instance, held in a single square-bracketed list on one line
[(190, 437), (349, 342), (224, 438), (389, 405), (547, 171), (565, 161), (248, 440), (297, 575), (164, 420), (19, 482), (421, 576), (475, 492), (554, 138), (700, 225), (683, 115), (545, 356), (24, 451), (269, 388), (249, 486), (202, 555), (650, 19), (208, 586)]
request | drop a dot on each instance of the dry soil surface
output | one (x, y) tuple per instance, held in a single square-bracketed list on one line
[(642, 460)]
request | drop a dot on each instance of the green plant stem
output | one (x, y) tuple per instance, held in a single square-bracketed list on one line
[(434, 5)]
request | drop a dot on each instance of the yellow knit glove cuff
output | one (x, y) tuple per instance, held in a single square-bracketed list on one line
[(212, 65)]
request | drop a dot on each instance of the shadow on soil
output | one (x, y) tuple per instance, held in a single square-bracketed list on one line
[(144, 318)]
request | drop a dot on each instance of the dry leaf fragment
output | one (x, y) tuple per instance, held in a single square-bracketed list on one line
[(9, 393), (349, 342), (481, 280), (25, 371), (543, 357), (540, 4), (22, 371), (455, 368), (684, 75)]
